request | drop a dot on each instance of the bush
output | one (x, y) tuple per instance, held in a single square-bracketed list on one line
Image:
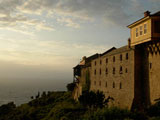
[(71, 86), (154, 110), (93, 99), (107, 114)]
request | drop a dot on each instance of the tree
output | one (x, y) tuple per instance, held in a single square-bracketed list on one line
[(70, 86), (93, 99)]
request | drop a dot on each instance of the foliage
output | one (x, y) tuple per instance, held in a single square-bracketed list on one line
[(86, 86), (71, 86), (7, 108), (108, 114), (93, 99), (154, 110), (61, 106)]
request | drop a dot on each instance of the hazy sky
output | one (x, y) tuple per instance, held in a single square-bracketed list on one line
[(43, 39)]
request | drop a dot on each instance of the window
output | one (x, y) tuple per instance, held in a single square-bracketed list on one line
[(114, 59), (126, 70), (95, 72), (136, 32), (100, 71), (99, 83), (106, 84), (95, 63), (100, 62), (106, 70), (141, 31), (106, 60), (121, 57), (113, 85), (126, 56), (156, 26), (150, 65), (120, 70), (120, 85), (94, 82), (114, 70), (145, 28)]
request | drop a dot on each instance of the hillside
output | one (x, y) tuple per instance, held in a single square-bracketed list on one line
[(61, 106)]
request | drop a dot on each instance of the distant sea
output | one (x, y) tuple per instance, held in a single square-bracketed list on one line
[(21, 93)]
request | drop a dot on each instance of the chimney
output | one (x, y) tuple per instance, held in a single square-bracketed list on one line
[(84, 58), (147, 13), (129, 43)]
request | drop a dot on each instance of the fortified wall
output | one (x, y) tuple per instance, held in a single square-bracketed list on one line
[(130, 74)]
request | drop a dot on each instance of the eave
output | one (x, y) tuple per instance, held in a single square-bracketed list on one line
[(139, 21)]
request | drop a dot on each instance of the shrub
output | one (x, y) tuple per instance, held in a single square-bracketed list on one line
[(70, 86)]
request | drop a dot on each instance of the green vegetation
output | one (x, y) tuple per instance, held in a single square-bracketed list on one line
[(86, 86), (61, 106), (71, 86)]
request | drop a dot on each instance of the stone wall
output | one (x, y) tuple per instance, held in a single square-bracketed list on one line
[(119, 85), (154, 71)]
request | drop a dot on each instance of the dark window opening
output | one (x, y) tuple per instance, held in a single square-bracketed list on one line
[(100, 62), (121, 70), (157, 26), (106, 84), (95, 63), (106, 70), (95, 72), (114, 70), (113, 85), (150, 65), (126, 70), (114, 59), (120, 86), (121, 57), (106, 60), (100, 72), (126, 56)]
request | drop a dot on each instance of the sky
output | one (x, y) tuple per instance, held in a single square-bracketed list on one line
[(42, 40)]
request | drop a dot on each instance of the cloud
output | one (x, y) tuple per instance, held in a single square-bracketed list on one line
[(110, 10), (36, 52), (68, 22), (72, 13), (12, 19), (31, 14)]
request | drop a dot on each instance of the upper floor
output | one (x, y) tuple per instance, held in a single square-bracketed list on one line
[(145, 29)]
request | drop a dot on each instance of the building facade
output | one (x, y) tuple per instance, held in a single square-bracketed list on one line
[(130, 74)]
